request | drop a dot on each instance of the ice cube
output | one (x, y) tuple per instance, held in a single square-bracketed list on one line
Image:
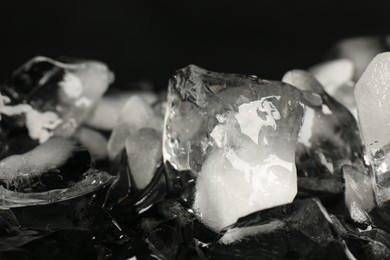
[(144, 151), (95, 142), (135, 114), (372, 94), (360, 50), (329, 137), (237, 134), (337, 78), (106, 112)]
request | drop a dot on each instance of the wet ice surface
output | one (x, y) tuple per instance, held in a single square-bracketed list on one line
[(238, 135)]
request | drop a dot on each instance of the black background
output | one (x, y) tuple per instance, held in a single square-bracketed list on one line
[(151, 39)]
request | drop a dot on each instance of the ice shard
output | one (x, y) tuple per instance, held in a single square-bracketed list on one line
[(359, 193), (372, 94), (237, 134)]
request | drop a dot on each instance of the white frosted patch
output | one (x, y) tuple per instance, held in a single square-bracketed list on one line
[(326, 110), (40, 125), (249, 120), (372, 93), (71, 86), (83, 102), (239, 177), (306, 130)]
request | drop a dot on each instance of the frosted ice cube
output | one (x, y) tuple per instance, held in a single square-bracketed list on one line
[(372, 94), (144, 154)]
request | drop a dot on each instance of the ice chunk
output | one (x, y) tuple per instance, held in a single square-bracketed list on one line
[(333, 74), (95, 142), (106, 112), (238, 135), (337, 78), (329, 137), (372, 94), (54, 96), (359, 193), (136, 114), (144, 151), (360, 50)]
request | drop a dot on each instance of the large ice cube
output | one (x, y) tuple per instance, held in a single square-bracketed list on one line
[(238, 135), (372, 94)]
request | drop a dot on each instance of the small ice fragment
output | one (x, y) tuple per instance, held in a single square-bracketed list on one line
[(135, 114), (40, 125), (359, 193), (144, 154), (360, 50), (94, 141), (106, 112)]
